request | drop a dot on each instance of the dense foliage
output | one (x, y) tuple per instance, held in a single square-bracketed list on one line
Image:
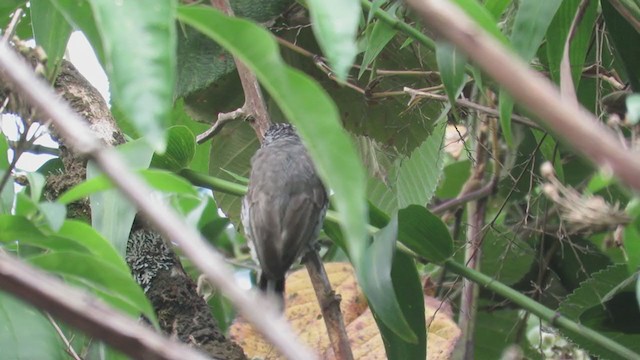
[(436, 173)]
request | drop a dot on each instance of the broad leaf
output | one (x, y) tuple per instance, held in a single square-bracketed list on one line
[(335, 24), (451, 64), (181, 148), (51, 31), (419, 175), (380, 36), (139, 40), (424, 233), (117, 284), (375, 279), (26, 333), (530, 25)]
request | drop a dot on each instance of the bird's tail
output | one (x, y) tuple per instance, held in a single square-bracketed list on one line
[(273, 288)]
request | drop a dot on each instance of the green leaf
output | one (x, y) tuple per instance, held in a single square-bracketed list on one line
[(451, 63), (4, 155), (113, 281), (54, 213), (505, 108), (530, 25), (633, 108), (200, 160), (6, 194), (496, 7), (380, 37), (78, 13), (18, 228), (424, 233), (161, 180), (381, 195), (181, 148), (625, 39), (335, 24), (408, 290), (482, 17), (591, 293), (419, 175), (93, 241), (139, 39), (494, 332), (505, 257), (375, 279), (303, 103), (51, 31), (25, 333), (557, 36), (454, 177), (231, 154), (36, 184), (111, 212)]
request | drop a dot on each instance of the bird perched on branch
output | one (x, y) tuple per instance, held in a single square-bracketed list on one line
[(284, 208)]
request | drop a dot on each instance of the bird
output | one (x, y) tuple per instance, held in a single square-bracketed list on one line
[(284, 207)]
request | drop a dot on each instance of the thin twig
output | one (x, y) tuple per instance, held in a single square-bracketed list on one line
[(445, 206), (70, 350), (470, 105), (329, 303), (13, 25), (575, 124), (254, 105), (223, 119), (210, 262)]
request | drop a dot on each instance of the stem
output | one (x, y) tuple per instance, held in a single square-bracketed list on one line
[(329, 303), (554, 318)]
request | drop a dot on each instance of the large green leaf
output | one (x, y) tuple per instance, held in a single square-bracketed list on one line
[(20, 229), (591, 293), (181, 148), (200, 160), (26, 333), (139, 40), (111, 213), (505, 257), (419, 175), (496, 7), (424, 233), (93, 241), (375, 279), (482, 17), (114, 282), (51, 31), (495, 331), (78, 13), (303, 103), (530, 25), (380, 36), (408, 290), (625, 40), (161, 180), (557, 36), (335, 24), (451, 64)]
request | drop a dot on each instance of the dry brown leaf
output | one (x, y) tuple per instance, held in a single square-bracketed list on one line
[(303, 312)]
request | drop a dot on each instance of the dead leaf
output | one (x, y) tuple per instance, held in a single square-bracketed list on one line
[(303, 313)]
